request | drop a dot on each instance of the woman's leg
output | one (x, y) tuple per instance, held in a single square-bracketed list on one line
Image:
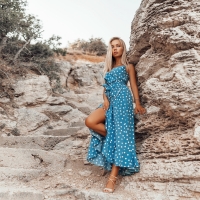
[(96, 121), (114, 173)]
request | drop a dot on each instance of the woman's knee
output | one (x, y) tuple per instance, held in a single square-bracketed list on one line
[(89, 122)]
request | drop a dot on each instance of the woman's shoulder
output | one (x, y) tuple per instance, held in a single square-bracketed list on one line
[(129, 67)]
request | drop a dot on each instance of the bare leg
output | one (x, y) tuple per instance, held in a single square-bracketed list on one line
[(114, 172), (96, 121)]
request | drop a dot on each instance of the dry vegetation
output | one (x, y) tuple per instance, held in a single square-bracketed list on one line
[(70, 57)]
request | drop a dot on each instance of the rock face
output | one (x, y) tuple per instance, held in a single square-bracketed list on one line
[(33, 90), (44, 141), (43, 138), (35, 109), (165, 49)]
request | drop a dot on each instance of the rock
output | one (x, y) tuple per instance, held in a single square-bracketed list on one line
[(85, 110), (82, 75), (53, 109), (74, 116), (32, 90), (197, 130), (57, 109), (18, 193), (66, 69), (63, 132), (85, 173), (78, 123), (55, 100), (7, 125), (164, 49), (29, 120), (83, 133), (31, 159), (46, 143), (4, 100)]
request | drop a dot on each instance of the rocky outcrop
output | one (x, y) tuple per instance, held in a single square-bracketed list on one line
[(32, 91), (35, 109), (44, 140), (165, 49)]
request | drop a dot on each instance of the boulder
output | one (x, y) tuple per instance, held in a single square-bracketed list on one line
[(29, 119), (32, 90), (165, 52)]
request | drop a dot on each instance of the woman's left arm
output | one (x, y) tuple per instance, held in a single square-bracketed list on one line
[(134, 88)]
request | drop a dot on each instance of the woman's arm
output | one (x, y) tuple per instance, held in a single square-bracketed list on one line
[(106, 101), (104, 95), (133, 83), (134, 88)]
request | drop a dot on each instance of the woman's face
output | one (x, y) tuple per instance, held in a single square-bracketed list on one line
[(117, 48)]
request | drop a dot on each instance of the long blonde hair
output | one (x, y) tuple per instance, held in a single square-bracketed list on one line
[(109, 60)]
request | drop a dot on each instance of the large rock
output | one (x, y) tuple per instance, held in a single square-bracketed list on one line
[(7, 124), (19, 193), (32, 90), (66, 69), (164, 47), (84, 74), (29, 120), (55, 109)]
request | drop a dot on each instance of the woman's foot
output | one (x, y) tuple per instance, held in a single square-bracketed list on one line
[(110, 186)]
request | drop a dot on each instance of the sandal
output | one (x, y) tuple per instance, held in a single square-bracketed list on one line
[(110, 190)]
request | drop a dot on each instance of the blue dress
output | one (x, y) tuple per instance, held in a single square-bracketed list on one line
[(118, 146)]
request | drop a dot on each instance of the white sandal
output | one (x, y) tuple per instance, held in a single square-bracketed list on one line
[(109, 190)]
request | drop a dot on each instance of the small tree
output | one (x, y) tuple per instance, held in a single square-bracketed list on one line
[(30, 29), (97, 45), (54, 43), (12, 12)]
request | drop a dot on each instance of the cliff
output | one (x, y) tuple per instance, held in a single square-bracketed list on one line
[(165, 48), (44, 139)]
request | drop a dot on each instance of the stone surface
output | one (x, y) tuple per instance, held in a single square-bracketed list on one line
[(85, 173), (29, 119), (55, 100), (55, 109), (13, 193), (32, 90), (165, 51), (4, 100), (7, 125)]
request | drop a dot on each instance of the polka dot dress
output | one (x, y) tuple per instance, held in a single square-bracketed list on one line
[(118, 147)]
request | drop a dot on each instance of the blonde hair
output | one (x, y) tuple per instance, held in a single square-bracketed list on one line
[(109, 60)]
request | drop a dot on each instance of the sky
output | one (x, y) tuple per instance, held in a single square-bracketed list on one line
[(83, 19)]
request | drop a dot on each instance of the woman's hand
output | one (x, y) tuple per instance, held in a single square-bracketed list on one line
[(106, 104), (139, 109)]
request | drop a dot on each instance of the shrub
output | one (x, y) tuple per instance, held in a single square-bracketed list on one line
[(93, 46)]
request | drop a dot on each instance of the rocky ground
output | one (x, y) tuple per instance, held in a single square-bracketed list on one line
[(44, 140), (44, 144)]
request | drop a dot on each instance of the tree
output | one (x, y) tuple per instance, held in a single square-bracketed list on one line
[(93, 45), (19, 34), (12, 13), (97, 45), (30, 29)]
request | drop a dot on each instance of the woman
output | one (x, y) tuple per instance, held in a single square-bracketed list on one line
[(111, 124)]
